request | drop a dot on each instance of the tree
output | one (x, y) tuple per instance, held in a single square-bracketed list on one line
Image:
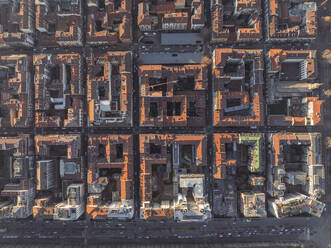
[(326, 54), (205, 60), (327, 92), (204, 33), (325, 21)]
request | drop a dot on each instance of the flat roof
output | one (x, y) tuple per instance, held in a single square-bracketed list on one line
[(181, 39), (170, 58)]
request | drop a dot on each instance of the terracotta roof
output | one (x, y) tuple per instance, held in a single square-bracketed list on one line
[(96, 208), (228, 85), (111, 73), (115, 25), (58, 25), (229, 31), (16, 96), (169, 92), (170, 13), (58, 103), (304, 15)]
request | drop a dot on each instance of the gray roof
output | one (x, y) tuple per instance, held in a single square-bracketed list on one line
[(170, 58), (181, 39)]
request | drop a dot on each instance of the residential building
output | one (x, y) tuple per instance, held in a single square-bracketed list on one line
[(109, 89), (291, 80), (296, 165), (171, 15), (58, 90), (236, 20), (239, 157), (172, 177), (58, 22), (110, 177), (16, 183), (252, 204), (296, 177), (60, 189), (74, 206), (295, 204), (238, 87), (16, 107), (17, 19), (109, 22), (173, 95), (290, 20)]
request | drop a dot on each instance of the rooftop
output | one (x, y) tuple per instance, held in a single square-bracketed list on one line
[(109, 89), (16, 182), (58, 90), (60, 167), (291, 81), (171, 15), (291, 19), (236, 20), (109, 22), (16, 24), (172, 95), (238, 87), (15, 91), (172, 166), (253, 204), (296, 165), (58, 23), (295, 204), (110, 177), (243, 149)]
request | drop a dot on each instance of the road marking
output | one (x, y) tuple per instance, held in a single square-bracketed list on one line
[(307, 233)]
